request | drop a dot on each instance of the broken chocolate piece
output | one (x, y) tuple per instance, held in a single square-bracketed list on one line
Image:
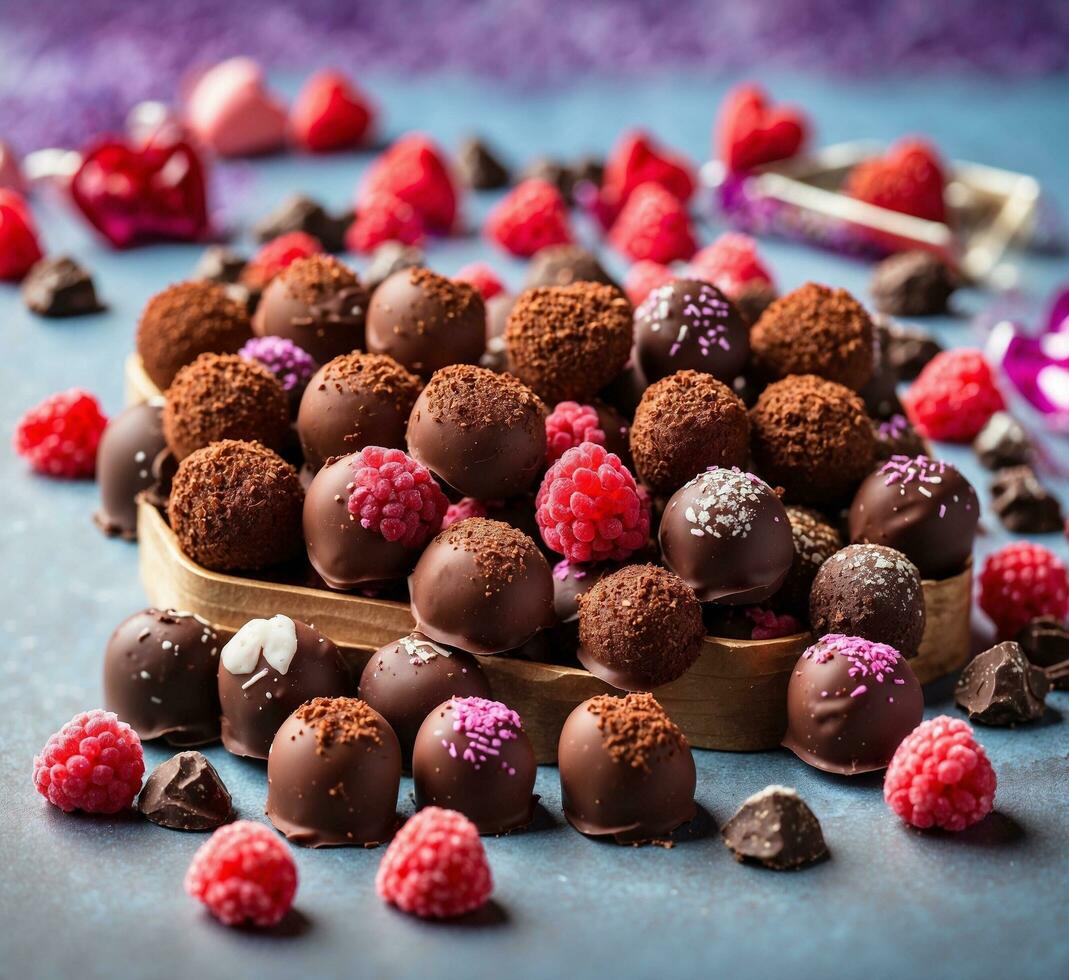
[(57, 286), (1045, 642), (1023, 504), (1000, 687), (908, 348), (220, 264), (1003, 442), (388, 258), (301, 213), (917, 283), (479, 167), (185, 793), (775, 828)]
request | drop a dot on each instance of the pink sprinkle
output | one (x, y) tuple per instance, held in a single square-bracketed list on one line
[(874, 661), (859, 690), (486, 724)]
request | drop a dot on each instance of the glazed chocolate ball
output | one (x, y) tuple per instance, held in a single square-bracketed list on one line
[(333, 773), (686, 423), (426, 321), (160, 676), (482, 586), (922, 507), (688, 324), (318, 303), (850, 702), (573, 579), (870, 591), (561, 265), (726, 534), (568, 342), (472, 755), (626, 770), (354, 401), (128, 448), (815, 330), (268, 669), (812, 437), (482, 433), (236, 506), (815, 541)]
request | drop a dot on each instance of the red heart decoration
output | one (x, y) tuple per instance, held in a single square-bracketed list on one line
[(908, 178), (637, 160), (330, 114), (752, 132), (19, 248)]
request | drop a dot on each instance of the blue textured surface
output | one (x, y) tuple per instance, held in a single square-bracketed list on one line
[(103, 898)]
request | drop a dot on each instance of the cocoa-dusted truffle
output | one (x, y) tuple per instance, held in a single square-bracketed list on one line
[(426, 321), (815, 541), (482, 433), (639, 628), (812, 437), (775, 828), (626, 770), (815, 330), (684, 424), (916, 283), (1000, 687), (568, 342), (125, 455), (184, 321), (561, 265), (224, 396), (236, 506)]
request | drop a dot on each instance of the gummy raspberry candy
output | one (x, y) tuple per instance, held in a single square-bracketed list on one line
[(463, 509), (395, 496), (953, 397), (751, 132), (415, 171), (292, 365), (731, 263), (383, 218), (278, 254), (643, 277), (60, 436), (436, 866), (569, 425), (19, 248), (482, 277), (653, 225), (909, 179), (330, 114), (532, 217), (1022, 582), (637, 160)]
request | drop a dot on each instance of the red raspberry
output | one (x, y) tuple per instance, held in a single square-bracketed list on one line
[(589, 508), (653, 225), (59, 437), (482, 277), (531, 217), (767, 625), (940, 776), (19, 248), (93, 763), (383, 218), (636, 160), (1021, 582), (395, 496), (643, 277), (414, 170), (330, 113), (436, 866), (908, 179), (953, 397), (730, 264), (244, 873), (568, 425), (276, 255), (463, 509)]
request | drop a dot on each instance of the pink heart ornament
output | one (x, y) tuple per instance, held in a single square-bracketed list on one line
[(230, 110)]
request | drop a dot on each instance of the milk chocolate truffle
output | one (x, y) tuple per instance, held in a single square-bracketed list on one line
[(185, 321), (426, 321), (159, 676), (922, 507), (482, 433), (185, 793), (472, 755), (319, 304), (568, 342), (850, 702), (1000, 687), (482, 586), (236, 506), (815, 330), (267, 670), (812, 437), (333, 774), (726, 534), (561, 265), (686, 423), (573, 579), (870, 591), (775, 828), (916, 283), (354, 401), (626, 770), (688, 324), (815, 541), (127, 449)]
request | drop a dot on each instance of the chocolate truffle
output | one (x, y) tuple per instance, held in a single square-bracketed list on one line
[(896, 437), (870, 591), (426, 321), (482, 586), (1045, 642), (482, 433), (127, 449), (922, 507), (686, 423), (333, 774), (1000, 687), (391, 257), (568, 342), (319, 304), (159, 676), (185, 321), (917, 283), (815, 541), (908, 349), (880, 392), (1003, 442), (850, 702), (626, 770), (479, 167), (354, 401), (688, 324), (498, 308), (639, 628), (298, 212), (561, 265), (57, 286), (236, 506), (813, 438), (185, 793), (268, 669), (815, 330), (570, 581), (777, 829), (1023, 504), (753, 298), (472, 755)]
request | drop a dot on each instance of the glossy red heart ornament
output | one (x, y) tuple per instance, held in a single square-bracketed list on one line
[(19, 248), (752, 132)]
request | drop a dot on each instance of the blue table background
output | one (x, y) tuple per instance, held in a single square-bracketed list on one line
[(103, 898)]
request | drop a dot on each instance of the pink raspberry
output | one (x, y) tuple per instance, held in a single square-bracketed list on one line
[(244, 873), (568, 425), (643, 277), (1020, 583), (383, 218), (940, 776), (395, 496), (482, 277), (653, 225), (731, 263), (768, 625), (463, 509), (436, 866), (953, 397), (589, 507), (531, 217), (93, 763), (60, 436)]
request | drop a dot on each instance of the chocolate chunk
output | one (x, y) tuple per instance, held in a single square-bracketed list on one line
[(915, 283), (1045, 642), (1003, 442), (388, 258), (775, 828), (1023, 504), (480, 168), (185, 793), (555, 172), (58, 286), (589, 170), (220, 264), (908, 349), (1000, 687), (301, 213)]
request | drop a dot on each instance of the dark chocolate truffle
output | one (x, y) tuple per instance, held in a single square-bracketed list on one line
[(268, 669), (896, 437), (185, 793), (909, 349), (561, 265), (626, 770), (1045, 642), (479, 167), (57, 286), (127, 450), (815, 541), (850, 702), (1000, 687), (298, 212), (753, 298), (1023, 504), (917, 283), (573, 579), (333, 775), (777, 829), (880, 392), (391, 257), (159, 676), (1003, 442), (472, 755)]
